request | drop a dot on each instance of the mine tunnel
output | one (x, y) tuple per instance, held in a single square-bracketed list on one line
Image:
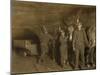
[(28, 41), (28, 18)]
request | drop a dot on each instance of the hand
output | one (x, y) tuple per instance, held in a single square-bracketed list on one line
[(73, 48)]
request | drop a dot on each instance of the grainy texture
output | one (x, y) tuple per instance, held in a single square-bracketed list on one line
[(27, 21)]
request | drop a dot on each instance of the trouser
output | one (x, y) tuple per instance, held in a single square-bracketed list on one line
[(79, 56), (44, 51), (91, 56), (71, 54), (53, 53), (53, 50), (64, 57), (63, 61)]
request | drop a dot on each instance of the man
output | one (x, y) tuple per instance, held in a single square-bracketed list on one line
[(63, 49), (70, 48), (79, 43), (45, 38), (91, 62)]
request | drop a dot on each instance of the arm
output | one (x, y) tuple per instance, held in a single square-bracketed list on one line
[(73, 40), (85, 39)]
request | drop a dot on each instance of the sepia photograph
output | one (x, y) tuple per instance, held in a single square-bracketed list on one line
[(52, 37)]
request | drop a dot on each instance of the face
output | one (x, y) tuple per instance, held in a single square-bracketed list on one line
[(70, 29), (46, 32), (79, 26), (62, 33)]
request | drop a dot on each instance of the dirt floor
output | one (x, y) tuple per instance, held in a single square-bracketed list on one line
[(22, 64), (28, 64)]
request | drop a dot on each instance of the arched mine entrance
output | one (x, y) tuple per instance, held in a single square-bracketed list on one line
[(27, 43)]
